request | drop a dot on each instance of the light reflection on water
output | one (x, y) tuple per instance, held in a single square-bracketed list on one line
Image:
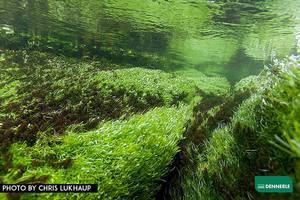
[(231, 39)]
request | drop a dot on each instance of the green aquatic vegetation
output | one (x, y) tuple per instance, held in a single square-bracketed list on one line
[(7, 93), (127, 158), (202, 148), (55, 92), (244, 121), (250, 83), (281, 108), (168, 89), (218, 164), (245, 116), (43, 95), (267, 112), (210, 85), (216, 169), (264, 118), (215, 85), (92, 121), (271, 124)]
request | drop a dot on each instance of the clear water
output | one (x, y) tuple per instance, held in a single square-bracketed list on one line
[(227, 38)]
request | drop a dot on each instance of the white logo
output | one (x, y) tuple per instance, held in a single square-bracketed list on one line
[(261, 186)]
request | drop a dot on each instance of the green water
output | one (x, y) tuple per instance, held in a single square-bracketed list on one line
[(227, 38)]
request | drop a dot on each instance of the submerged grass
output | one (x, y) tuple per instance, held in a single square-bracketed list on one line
[(241, 148), (126, 158), (57, 124), (210, 85), (282, 109), (50, 93), (125, 128), (218, 164)]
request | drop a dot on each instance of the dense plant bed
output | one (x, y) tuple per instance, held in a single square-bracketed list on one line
[(126, 158), (260, 138), (64, 120), (40, 92), (90, 121)]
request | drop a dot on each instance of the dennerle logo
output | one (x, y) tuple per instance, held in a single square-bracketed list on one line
[(278, 186), (273, 184)]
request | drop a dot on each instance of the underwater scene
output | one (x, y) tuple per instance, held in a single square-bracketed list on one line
[(150, 99)]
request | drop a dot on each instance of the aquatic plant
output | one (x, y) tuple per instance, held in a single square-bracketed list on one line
[(127, 158), (51, 93), (218, 170), (282, 106)]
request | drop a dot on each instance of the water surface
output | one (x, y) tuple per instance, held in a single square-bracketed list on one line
[(227, 38)]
